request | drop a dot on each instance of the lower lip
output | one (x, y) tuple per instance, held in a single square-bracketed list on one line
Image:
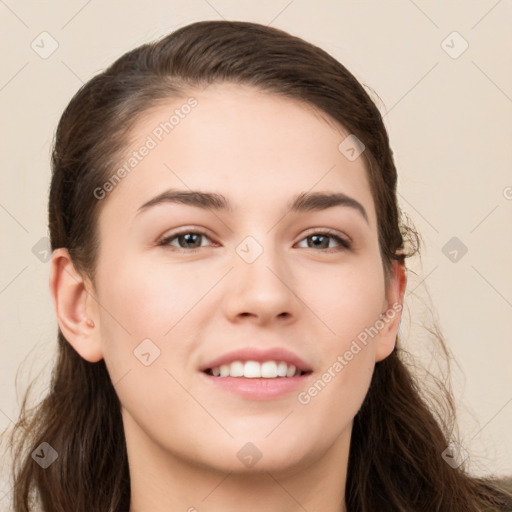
[(259, 388)]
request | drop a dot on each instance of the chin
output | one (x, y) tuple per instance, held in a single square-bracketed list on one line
[(255, 454)]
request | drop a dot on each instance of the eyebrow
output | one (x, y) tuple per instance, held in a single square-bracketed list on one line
[(303, 202)]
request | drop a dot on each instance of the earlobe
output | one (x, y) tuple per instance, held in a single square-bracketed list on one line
[(393, 313), (76, 310)]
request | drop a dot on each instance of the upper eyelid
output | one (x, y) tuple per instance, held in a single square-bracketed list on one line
[(327, 231)]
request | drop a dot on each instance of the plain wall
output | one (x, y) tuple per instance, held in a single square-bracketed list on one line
[(449, 122)]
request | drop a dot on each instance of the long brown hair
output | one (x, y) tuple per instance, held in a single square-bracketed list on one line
[(398, 435)]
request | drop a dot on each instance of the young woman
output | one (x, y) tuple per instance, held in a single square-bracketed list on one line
[(228, 276)]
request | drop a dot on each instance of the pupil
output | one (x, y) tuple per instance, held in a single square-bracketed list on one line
[(315, 238), (188, 236)]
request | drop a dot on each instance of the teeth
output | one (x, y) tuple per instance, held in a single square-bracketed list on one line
[(282, 369), (236, 369), (291, 371), (269, 370), (254, 369)]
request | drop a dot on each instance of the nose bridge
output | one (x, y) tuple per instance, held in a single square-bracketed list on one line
[(261, 278), (259, 258)]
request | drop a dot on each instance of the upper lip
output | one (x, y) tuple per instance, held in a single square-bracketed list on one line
[(277, 354)]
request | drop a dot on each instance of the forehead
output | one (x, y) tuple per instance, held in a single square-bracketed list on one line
[(257, 148)]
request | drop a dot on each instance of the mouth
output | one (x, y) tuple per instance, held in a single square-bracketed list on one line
[(257, 370), (253, 380), (253, 373)]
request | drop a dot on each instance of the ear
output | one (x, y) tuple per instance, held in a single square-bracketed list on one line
[(76, 307), (392, 311)]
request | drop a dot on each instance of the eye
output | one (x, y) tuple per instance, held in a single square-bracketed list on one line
[(321, 240), (188, 241)]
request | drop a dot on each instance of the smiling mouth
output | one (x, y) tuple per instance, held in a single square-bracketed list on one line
[(255, 370)]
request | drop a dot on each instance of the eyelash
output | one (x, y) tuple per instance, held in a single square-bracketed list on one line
[(344, 244)]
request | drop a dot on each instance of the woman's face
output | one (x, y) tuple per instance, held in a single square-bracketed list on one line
[(258, 279)]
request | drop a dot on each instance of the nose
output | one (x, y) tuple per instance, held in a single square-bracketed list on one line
[(261, 286)]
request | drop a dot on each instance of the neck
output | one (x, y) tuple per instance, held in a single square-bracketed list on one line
[(162, 481)]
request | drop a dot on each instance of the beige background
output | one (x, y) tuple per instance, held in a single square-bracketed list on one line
[(449, 121)]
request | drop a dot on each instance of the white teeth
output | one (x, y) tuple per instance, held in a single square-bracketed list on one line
[(291, 371), (282, 369), (236, 369), (254, 369), (269, 370)]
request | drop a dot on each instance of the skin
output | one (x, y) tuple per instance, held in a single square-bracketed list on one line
[(183, 436)]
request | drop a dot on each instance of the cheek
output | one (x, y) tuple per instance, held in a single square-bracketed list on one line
[(142, 302), (149, 299), (347, 300), (349, 306), (335, 396), (347, 358)]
